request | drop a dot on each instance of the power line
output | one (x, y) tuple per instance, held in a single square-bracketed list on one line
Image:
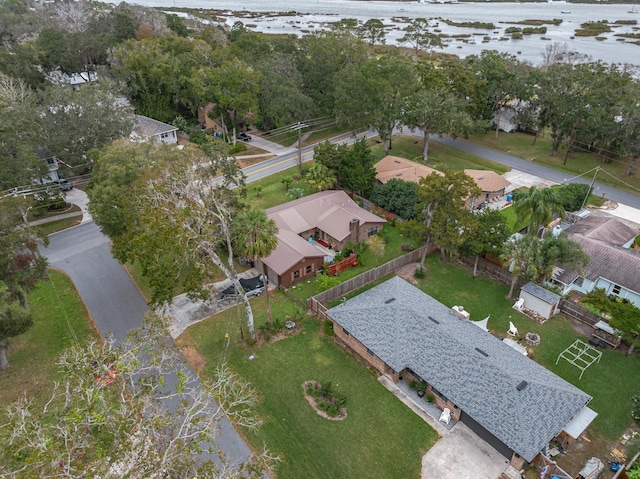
[(598, 169), (299, 124)]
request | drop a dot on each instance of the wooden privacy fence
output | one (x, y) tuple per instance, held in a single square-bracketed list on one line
[(567, 307), (316, 302), (340, 266), (540, 461), (494, 271), (576, 311)]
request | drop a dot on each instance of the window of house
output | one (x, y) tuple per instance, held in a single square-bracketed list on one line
[(579, 281), (372, 231), (296, 274), (345, 332), (616, 289), (369, 352), (164, 135), (309, 269)]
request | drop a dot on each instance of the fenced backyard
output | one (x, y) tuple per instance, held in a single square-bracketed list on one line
[(317, 302)]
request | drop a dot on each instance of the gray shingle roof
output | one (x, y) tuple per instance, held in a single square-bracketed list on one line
[(149, 127), (539, 292), (415, 331), (616, 264), (604, 229)]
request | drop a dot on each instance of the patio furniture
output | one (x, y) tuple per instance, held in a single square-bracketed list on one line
[(445, 417)]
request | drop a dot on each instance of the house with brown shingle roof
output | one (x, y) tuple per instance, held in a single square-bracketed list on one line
[(612, 265), (491, 183), (309, 228), (396, 167)]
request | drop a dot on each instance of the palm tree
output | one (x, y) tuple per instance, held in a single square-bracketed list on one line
[(560, 251), (539, 205), (524, 255), (255, 237), (319, 177)]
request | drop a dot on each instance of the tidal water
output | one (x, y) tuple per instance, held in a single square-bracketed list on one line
[(313, 15)]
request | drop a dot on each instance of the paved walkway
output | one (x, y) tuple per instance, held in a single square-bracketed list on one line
[(459, 453), (75, 197), (270, 146)]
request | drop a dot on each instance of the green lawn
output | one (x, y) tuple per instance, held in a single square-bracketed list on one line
[(381, 437), (612, 382), (272, 190), (519, 144), (59, 225), (509, 215), (440, 156), (59, 318)]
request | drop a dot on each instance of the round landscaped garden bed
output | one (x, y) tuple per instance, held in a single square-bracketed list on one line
[(324, 400)]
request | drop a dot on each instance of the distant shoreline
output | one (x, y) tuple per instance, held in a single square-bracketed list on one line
[(557, 2)]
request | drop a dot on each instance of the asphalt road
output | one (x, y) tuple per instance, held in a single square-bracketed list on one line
[(288, 160), (283, 162), (110, 295), (114, 302), (542, 171)]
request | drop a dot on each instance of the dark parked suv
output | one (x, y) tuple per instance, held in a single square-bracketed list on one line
[(244, 136)]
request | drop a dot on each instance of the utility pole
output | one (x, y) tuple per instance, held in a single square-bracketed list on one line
[(593, 180), (299, 127)]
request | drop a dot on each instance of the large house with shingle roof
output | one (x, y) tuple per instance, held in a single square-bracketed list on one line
[(308, 227), (612, 265), (510, 401)]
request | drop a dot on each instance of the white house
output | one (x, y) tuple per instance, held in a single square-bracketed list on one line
[(148, 129), (612, 265)]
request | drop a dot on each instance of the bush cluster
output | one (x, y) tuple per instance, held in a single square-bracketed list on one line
[(326, 398), (573, 195), (534, 31), (269, 329)]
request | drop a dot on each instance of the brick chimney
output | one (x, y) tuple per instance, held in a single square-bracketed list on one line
[(354, 230)]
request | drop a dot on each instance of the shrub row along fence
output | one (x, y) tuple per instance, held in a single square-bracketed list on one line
[(317, 302), (576, 311)]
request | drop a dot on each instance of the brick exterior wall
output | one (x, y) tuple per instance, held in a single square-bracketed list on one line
[(361, 351), (288, 278), (363, 233)]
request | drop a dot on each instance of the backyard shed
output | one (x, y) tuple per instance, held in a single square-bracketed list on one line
[(539, 300)]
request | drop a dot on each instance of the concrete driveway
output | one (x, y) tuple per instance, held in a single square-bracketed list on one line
[(461, 454)]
